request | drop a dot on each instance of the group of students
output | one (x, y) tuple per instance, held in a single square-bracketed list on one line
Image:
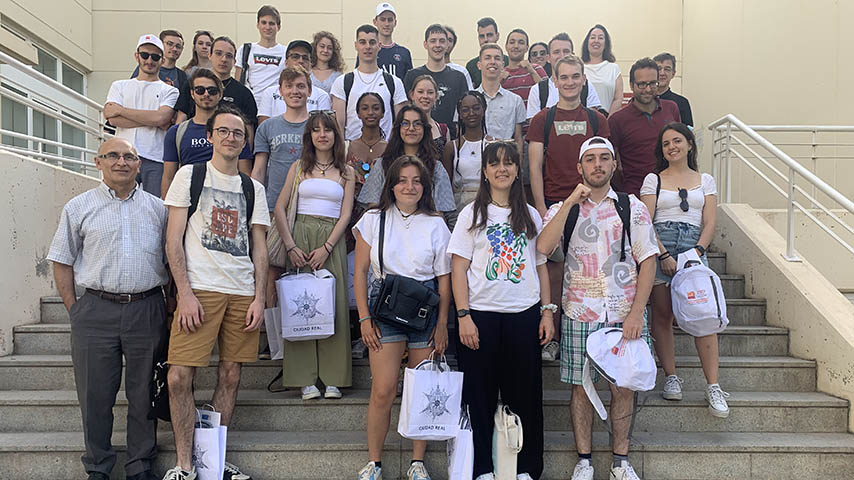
[(477, 187)]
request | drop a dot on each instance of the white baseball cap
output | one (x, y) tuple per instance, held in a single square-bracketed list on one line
[(595, 142), (384, 7), (150, 39)]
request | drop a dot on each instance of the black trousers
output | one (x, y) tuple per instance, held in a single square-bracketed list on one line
[(101, 333), (508, 362)]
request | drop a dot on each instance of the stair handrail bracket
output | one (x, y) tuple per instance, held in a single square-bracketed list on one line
[(727, 146)]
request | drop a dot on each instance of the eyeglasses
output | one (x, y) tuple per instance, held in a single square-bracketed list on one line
[(200, 90), (222, 132), (154, 56), (683, 194), (220, 53), (297, 56), (115, 156), (416, 124), (180, 46), (645, 85)]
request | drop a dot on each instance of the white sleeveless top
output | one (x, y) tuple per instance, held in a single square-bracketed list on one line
[(603, 77), (467, 165), (321, 197)]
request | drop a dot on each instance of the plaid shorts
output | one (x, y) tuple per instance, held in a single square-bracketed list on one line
[(573, 346)]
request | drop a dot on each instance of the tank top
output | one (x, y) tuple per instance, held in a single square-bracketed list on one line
[(321, 197), (467, 165)]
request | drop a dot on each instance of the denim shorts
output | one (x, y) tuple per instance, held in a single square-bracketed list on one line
[(677, 237), (392, 333)]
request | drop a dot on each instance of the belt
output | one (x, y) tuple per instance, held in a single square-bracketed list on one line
[(124, 297)]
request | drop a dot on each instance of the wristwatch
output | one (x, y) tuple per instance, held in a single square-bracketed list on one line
[(463, 313), (548, 306), (700, 249)]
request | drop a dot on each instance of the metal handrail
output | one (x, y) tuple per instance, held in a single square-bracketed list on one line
[(26, 69), (45, 141), (723, 133), (799, 128)]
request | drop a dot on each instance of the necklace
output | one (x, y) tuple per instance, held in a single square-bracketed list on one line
[(361, 79), (499, 205), (371, 145), (407, 219), (323, 168)]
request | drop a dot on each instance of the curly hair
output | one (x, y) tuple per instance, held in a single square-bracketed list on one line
[(337, 61)]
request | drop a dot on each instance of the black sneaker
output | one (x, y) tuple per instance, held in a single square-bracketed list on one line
[(98, 476), (231, 472)]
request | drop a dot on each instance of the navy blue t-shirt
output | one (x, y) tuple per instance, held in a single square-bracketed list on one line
[(395, 60), (195, 147)]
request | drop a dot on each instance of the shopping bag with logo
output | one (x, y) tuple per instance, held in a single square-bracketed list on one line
[(697, 297), (209, 445), (430, 407), (506, 442), (273, 327), (625, 363), (307, 301), (461, 451)]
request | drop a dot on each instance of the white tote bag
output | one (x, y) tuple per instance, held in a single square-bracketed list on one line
[(273, 325), (430, 408), (506, 442), (461, 452), (307, 301), (209, 445), (697, 297)]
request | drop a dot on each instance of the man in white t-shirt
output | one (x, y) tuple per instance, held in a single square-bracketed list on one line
[(218, 257), (272, 104), (259, 68), (142, 108), (367, 77), (559, 46)]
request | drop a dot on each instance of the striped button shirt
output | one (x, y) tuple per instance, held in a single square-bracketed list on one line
[(114, 245)]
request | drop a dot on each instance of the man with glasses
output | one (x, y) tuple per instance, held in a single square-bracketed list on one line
[(110, 242), (173, 43), (635, 127), (215, 236), (272, 104), (142, 108), (666, 71), (186, 143)]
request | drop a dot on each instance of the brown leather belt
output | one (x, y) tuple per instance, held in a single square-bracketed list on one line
[(124, 297)]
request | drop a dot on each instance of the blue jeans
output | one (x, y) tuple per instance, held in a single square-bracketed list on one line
[(677, 237), (392, 333)]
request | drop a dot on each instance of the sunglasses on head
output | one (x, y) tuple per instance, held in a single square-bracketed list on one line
[(200, 90), (330, 113), (154, 56), (683, 194)]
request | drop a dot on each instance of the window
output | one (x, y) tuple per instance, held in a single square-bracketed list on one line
[(72, 79), (45, 127), (15, 119), (47, 64)]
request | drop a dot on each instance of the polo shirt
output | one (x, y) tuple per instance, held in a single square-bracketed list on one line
[(503, 112), (634, 135), (684, 106)]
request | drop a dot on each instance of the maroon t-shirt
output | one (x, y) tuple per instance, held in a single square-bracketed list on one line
[(570, 130), (634, 135)]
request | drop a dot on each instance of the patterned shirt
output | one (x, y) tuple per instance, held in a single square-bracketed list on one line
[(114, 245), (597, 286)]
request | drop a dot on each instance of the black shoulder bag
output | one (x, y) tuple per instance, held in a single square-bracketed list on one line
[(403, 301)]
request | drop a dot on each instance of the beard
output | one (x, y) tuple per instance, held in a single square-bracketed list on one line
[(597, 184)]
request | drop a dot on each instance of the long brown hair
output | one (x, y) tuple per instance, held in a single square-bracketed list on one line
[(194, 62), (309, 152), (520, 216), (392, 177), (427, 151)]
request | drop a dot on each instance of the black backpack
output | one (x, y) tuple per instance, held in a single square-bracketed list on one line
[(244, 62), (543, 89), (197, 182), (349, 78), (623, 207)]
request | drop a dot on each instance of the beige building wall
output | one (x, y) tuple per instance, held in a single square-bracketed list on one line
[(64, 25)]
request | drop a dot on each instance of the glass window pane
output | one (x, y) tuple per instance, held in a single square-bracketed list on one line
[(45, 127), (14, 118), (72, 136), (47, 64), (72, 79)]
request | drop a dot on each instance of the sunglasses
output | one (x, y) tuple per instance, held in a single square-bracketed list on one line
[(330, 113), (154, 56), (200, 90), (683, 194)]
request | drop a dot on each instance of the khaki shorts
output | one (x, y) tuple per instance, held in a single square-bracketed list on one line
[(225, 319)]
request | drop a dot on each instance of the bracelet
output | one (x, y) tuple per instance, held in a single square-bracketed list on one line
[(549, 306), (289, 250), (364, 318), (701, 249), (664, 256), (326, 247)]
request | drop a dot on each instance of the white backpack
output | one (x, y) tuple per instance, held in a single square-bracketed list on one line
[(698, 297)]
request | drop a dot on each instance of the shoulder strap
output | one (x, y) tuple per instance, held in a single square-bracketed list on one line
[(543, 86), (547, 128), (389, 83), (244, 62), (249, 195), (584, 93), (593, 119), (197, 182), (569, 226), (623, 207), (657, 190), (179, 135), (382, 239), (348, 85)]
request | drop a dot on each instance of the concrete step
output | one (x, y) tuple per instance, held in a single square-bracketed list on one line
[(259, 410), (717, 262), (54, 339), (763, 374), (339, 455)]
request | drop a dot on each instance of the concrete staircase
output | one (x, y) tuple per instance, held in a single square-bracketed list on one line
[(780, 427)]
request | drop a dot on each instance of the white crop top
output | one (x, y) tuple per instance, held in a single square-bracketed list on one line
[(321, 197), (467, 165), (668, 209)]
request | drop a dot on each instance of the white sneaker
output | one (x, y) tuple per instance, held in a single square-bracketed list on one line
[(551, 351), (486, 476), (332, 392), (672, 388), (583, 470), (717, 401), (371, 472), (523, 476), (624, 472), (231, 472), (178, 474), (417, 471), (310, 392)]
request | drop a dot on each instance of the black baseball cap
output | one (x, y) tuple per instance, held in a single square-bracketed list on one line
[(298, 43)]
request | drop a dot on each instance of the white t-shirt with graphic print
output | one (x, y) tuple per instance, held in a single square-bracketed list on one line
[(502, 276), (265, 65)]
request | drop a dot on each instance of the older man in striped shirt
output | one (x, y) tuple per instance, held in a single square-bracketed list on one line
[(110, 241)]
